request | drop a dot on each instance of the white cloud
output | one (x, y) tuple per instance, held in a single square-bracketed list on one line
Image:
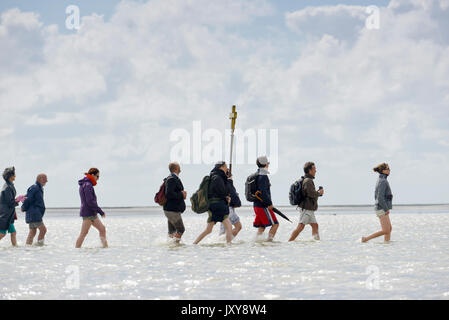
[(340, 21), (110, 94)]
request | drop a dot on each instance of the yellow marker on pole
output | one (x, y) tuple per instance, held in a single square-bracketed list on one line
[(233, 118)]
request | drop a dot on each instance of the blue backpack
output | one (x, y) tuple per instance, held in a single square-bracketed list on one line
[(296, 194)]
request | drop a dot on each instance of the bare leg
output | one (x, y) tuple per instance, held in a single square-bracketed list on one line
[(84, 231), (2, 236), (386, 229), (14, 239), (315, 233), (208, 230), (31, 235), (272, 232), (297, 231), (42, 233), (177, 236), (260, 231), (101, 228), (228, 228), (237, 228)]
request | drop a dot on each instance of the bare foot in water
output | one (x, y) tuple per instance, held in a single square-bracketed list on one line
[(364, 239)]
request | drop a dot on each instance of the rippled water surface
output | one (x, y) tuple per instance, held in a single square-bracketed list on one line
[(142, 264)]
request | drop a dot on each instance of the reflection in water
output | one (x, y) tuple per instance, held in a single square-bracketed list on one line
[(142, 263)]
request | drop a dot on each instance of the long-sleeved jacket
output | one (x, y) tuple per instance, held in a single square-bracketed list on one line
[(89, 206), (235, 199), (218, 191), (173, 194), (264, 186), (310, 194), (8, 205), (382, 194), (34, 205)]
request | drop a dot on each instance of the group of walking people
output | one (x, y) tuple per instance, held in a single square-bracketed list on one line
[(223, 202), (34, 207)]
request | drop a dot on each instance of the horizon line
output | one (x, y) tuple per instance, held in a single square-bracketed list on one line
[(283, 206)]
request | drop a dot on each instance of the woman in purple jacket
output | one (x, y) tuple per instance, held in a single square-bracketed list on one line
[(90, 209)]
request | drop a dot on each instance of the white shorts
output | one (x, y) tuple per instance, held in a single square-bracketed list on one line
[(233, 217), (307, 217), (380, 213)]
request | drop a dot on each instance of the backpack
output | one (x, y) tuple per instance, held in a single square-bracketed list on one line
[(200, 199), (160, 198), (251, 187), (296, 194)]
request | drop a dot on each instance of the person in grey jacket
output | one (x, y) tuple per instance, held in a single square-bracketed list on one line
[(384, 203), (8, 204)]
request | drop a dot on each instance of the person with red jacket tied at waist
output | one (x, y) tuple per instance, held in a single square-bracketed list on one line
[(310, 203), (175, 205), (89, 208), (265, 216)]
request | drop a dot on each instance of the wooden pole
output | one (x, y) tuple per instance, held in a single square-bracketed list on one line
[(233, 118)]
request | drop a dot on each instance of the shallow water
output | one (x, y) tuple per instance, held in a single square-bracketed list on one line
[(142, 264)]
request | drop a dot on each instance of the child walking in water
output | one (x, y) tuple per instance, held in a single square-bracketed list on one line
[(384, 203), (89, 208)]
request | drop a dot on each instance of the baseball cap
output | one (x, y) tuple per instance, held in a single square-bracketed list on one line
[(263, 160)]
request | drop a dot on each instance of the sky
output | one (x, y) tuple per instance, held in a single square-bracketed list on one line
[(116, 92)]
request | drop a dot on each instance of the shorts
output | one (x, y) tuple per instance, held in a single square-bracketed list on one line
[(233, 217), (307, 217), (175, 223), (264, 218), (380, 213), (91, 218), (35, 225), (216, 217), (11, 229)]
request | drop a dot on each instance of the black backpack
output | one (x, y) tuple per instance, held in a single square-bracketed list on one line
[(296, 194), (251, 187)]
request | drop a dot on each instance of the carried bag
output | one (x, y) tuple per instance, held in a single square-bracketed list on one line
[(251, 187), (296, 194), (200, 199), (160, 197)]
